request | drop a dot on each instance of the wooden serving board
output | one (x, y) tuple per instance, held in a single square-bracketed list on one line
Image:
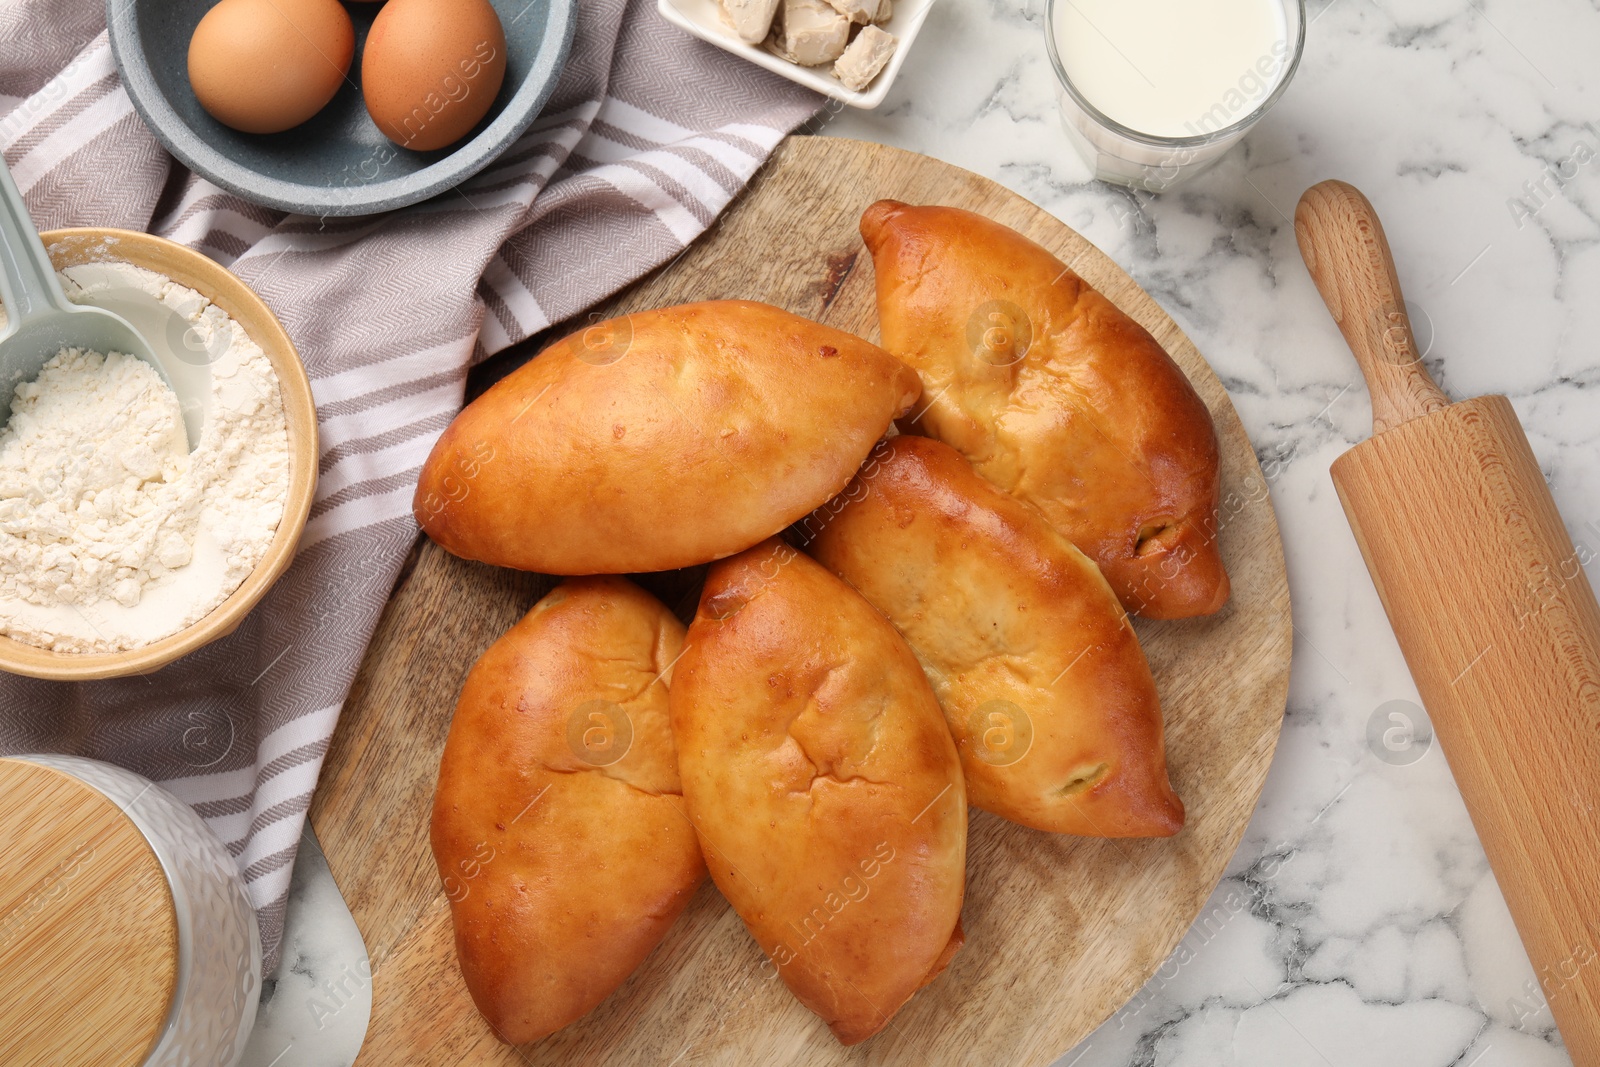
[(1061, 931)]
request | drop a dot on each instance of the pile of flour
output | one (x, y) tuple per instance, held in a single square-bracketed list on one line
[(112, 533)]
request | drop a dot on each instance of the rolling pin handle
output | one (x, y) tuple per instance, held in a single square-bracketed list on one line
[(1346, 252)]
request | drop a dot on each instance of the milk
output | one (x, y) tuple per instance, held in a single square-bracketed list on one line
[(1173, 68)]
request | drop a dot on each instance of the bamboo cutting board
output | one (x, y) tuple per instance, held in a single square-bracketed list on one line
[(1061, 931)]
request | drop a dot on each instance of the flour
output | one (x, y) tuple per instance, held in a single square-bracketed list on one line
[(112, 533)]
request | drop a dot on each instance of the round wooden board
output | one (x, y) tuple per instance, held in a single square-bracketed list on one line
[(1061, 931)]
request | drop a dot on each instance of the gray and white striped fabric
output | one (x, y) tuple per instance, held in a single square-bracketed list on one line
[(647, 138)]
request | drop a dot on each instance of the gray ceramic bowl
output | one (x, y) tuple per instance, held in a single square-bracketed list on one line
[(337, 163)]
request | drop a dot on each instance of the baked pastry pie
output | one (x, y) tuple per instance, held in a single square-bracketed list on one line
[(823, 784), (558, 826), (661, 440), (1047, 692), (1057, 397)]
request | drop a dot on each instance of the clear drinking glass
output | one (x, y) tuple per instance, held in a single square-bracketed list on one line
[(1126, 156)]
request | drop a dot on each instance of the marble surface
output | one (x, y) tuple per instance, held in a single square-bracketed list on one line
[(1359, 925), (314, 1009)]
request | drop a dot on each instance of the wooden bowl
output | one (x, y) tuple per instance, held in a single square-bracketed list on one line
[(219, 285)]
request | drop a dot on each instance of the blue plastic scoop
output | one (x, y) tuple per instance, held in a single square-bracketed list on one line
[(41, 321)]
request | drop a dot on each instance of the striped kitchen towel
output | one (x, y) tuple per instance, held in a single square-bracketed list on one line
[(648, 137)]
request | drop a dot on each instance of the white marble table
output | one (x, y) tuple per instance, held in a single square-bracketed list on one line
[(1359, 924)]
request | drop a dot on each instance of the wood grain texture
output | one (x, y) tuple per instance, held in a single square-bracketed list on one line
[(1343, 243), (1491, 606), (1499, 626), (88, 936), (1060, 931)]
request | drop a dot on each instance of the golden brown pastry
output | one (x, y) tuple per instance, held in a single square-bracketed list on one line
[(661, 440), (823, 784), (1057, 397), (558, 827), (1045, 687)]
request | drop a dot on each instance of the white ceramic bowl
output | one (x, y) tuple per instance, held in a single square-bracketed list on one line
[(703, 18)]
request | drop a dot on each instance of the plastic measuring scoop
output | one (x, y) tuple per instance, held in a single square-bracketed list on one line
[(41, 321)]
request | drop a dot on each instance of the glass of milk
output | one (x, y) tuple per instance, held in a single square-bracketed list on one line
[(1155, 91)]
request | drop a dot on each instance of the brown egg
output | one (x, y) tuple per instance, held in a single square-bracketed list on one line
[(431, 69), (262, 66)]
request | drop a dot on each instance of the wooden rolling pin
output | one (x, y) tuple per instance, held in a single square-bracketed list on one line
[(1491, 606)]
